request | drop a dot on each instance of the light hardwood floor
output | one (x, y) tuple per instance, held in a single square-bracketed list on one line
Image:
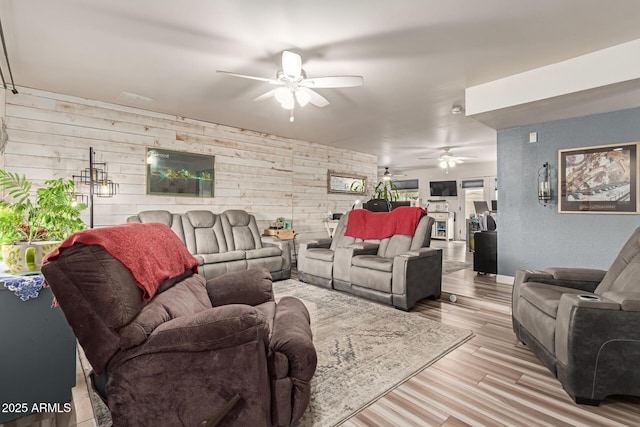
[(491, 380)]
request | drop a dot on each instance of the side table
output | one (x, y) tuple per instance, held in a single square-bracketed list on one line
[(38, 351)]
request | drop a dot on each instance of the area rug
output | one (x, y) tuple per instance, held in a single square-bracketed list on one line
[(101, 413), (365, 349), (451, 266)]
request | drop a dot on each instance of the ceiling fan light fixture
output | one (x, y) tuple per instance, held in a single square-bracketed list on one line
[(443, 164), (285, 97)]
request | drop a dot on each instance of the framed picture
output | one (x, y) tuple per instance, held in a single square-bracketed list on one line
[(175, 173), (601, 179), (346, 183)]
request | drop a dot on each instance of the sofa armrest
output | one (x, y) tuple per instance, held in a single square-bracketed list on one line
[(420, 253), (216, 328), (416, 274), (576, 274), (294, 360), (362, 248), (588, 326), (322, 242), (628, 300), (252, 287), (283, 245)]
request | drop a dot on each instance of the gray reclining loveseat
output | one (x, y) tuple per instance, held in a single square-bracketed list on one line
[(584, 324), (225, 242), (398, 270)]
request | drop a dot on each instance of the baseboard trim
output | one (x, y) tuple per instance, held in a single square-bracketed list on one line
[(505, 280)]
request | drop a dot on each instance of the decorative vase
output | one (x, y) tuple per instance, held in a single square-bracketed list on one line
[(26, 257)]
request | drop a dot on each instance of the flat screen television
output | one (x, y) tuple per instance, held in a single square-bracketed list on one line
[(443, 188)]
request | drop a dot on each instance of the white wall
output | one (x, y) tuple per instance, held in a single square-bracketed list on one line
[(485, 171), (269, 176)]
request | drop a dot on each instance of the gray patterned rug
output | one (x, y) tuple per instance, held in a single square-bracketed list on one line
[(365, 349)]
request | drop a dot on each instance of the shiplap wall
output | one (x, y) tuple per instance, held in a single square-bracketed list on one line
[(269, 176)]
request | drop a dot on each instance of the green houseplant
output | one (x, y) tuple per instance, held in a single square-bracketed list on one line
[(386, 190), (25, 223)]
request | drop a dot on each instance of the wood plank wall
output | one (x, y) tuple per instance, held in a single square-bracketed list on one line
[(269, 176)]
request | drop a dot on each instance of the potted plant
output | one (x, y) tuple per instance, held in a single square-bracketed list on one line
[(386, 190), (29, 229)]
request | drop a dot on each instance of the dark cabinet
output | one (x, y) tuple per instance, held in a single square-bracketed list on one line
[(485, 255), (37, 355)]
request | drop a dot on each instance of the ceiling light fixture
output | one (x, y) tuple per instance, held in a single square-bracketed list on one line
[(386, 176), (447, 162)]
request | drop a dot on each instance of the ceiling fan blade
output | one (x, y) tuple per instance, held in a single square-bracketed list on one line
[(291, 65), (303, 96), (265, 95), (244, 76), (315, 98), (333, 81)]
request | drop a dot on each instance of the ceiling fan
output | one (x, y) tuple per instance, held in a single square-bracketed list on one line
[(447, 160), (296, 87), (386, 176)]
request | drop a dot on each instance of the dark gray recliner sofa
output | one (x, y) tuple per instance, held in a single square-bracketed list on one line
[(584, 324)]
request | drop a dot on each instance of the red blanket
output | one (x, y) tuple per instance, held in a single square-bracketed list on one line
[(151, 252), (365, 224)]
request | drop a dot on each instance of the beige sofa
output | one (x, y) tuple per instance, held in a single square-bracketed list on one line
[(224, 242), (398, 270)]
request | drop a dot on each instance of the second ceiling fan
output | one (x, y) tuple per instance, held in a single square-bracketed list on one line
[(446, 160), (295, 87)]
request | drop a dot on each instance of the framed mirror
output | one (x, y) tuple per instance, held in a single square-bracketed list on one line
[(346, 183)]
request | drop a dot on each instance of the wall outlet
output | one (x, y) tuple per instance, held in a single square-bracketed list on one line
[(533, 137)]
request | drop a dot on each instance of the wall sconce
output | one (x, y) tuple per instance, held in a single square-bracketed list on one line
[(97, 179), (544, 188)]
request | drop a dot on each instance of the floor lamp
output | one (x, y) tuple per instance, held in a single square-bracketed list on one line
[(96, 177)]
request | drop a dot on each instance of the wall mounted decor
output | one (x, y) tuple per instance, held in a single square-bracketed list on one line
[(175, 173), (346, 183), (599, 179)]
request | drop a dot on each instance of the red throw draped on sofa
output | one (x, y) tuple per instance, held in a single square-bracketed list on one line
[(365, 224), (136, 247)]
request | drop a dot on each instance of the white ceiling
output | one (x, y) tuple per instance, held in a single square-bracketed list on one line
[(416, 56)]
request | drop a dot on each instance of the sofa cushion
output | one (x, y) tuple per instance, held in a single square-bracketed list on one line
[(263, 252), (203, 232), (241, 230), (627, 280), (222, 257), (322, 254), (373, 262), (545, 297), (395, 245)]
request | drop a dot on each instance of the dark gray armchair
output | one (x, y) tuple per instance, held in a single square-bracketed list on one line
[(584, 324)]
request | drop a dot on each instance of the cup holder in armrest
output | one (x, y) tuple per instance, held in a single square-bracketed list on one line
[(589, 297)]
